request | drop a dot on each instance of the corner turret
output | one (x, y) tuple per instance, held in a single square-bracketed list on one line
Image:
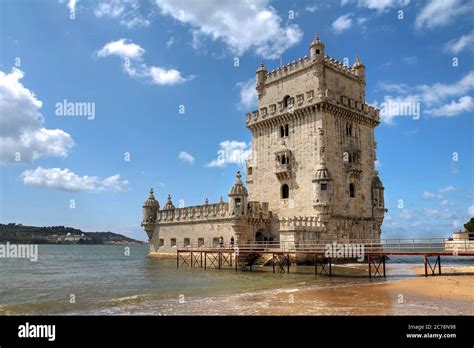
[(261, 77), (238, 196), (317, 49)]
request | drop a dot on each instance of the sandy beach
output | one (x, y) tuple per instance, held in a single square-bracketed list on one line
[(448, 294)]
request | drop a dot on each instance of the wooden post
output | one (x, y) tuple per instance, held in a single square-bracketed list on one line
[(426, 269), (205, 260), (201, 258), (236, 261), (439, 264), (191, 259), (315, 264), (177, 259), (288, 255), (330, 267), (219, 259), (370, 267), (273, 262), (383, 260)]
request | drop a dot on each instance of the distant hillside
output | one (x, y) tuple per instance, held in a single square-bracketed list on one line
[(17, 233)]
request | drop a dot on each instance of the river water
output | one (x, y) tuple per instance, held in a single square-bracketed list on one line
[(97, 280)]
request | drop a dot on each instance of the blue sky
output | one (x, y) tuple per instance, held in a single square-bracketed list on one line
[(140, 64)]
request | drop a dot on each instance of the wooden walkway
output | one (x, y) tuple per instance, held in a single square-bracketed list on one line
[(375, 254)]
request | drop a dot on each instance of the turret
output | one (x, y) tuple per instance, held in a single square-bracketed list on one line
[(377, 193), (169, 204), (261, 77), (317, 49), (359, 68), (238, 198), (322, 190), (150, 208)]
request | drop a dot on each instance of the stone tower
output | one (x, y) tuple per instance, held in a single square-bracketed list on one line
[(313, 144)]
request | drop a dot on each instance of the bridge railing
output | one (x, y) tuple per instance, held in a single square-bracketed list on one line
[(369, 245)]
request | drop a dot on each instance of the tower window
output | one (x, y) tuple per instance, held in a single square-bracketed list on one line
[(351, 190), (284, 130), (173, 242), (285, 191), (349, 130), (286, 101), (284, 159), (237, 202), (318, 51), (324, 187)]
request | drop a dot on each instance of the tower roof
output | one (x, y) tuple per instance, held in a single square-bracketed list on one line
[(322, 173), (238, 189), (169, 204), (316, 41), (151, 201), (261, 67), (376, 182)]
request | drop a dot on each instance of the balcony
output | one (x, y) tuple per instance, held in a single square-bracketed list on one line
[(354, 169), (283, 171)]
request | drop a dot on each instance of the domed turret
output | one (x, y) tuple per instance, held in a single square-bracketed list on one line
[(169, 204), (322, 190), (317, 49), (238, 197), (359, 68), (150, 208), (377, 192)]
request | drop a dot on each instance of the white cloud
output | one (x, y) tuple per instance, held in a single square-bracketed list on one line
[(186, 157), (128, 11), (241, 25), (162, 76), (248, 93), (71, 5), (382, 5), (342, 23), (438, 13), (470, 211), (449, 188), (132, 63), (431, 195), (434, 97), (311, 8), (21, 124), (458, 45), (65, 180), (464, 104), (122, 48), (170, 42), (231, 152), (406, 215), (399, 88)]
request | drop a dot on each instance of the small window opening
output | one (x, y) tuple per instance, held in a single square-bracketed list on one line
[(324, 187), (351, 190), (285, 191)]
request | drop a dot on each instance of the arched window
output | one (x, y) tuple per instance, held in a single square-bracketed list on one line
[(285, 191), (282, 132), (349, 129), (286, 100), (351, 190)]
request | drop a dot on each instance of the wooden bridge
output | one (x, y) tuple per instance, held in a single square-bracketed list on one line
[(321, 254)]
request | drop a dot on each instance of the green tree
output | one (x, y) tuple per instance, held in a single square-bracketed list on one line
[(469, 226)]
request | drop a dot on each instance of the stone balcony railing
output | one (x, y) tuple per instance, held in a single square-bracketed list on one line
[(194, 213), (283, 171), (301, 223), (309, 98)]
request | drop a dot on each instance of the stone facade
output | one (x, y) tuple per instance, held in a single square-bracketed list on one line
[(311, 175)]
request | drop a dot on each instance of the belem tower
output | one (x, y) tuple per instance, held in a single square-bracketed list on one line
[(311, 175)]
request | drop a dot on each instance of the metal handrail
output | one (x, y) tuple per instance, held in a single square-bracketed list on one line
[(370, 245)]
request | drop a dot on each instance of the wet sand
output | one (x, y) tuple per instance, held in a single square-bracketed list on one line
[(448, 294)]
